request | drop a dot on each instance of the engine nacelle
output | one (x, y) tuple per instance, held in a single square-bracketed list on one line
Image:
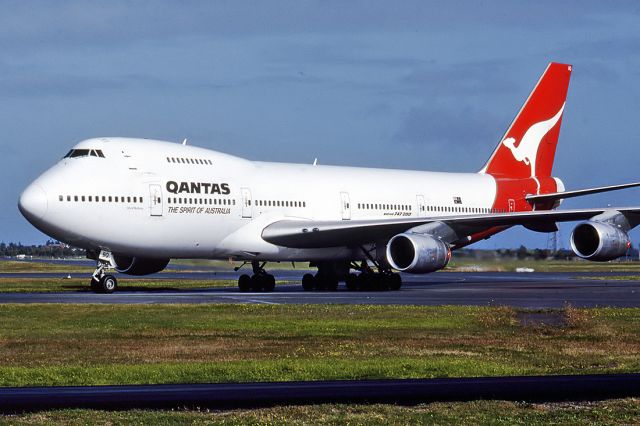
[(599, 241), (417, 253), (131, 265)]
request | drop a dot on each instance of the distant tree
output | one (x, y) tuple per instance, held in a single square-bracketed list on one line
[(522, 252), (539, 254)]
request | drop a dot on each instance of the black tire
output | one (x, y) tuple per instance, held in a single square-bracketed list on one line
[(331, 284), (95, 285), (395, 282), (269, 282), (108, 284), (362, 283), (351, 282), (382, 282), (257, 282), (321, 282), (308, 282), (244, 283)]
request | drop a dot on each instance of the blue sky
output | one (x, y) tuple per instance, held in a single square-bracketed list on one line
[(418, 85)]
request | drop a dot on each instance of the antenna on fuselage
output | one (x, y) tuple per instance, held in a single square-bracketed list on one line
[(315, 162), (184, 142)]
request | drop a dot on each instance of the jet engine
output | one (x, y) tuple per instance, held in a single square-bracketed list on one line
[(417, 253), (599, 241), (131, 265)]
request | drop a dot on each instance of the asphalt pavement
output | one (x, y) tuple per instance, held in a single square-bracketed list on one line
[(538, 290)]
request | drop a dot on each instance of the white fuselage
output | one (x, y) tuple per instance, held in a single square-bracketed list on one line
[(160, 199)]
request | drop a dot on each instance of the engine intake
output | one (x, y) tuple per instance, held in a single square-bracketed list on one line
[(599, 241), (132, 265), (417, 253)]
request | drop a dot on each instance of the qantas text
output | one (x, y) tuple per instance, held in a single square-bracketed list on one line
[(198, 188)]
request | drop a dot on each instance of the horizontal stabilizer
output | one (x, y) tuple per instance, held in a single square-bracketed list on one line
[(578, 193)]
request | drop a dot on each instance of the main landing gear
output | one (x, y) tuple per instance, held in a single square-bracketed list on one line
[(259, 281), (101, 282), (330, 273)]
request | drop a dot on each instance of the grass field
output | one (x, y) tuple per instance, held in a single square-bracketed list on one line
[(506, 265), (456, 264), (127, 344), (613, 412), (30, 285)]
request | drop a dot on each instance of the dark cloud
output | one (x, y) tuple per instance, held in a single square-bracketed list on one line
[(100, 23)]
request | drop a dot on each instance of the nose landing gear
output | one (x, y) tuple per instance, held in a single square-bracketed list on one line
[(101, 282), (259, 281)]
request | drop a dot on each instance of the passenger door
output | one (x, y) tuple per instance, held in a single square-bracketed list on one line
[(247, 208), (420, 205), (346, 206), (155, 193)]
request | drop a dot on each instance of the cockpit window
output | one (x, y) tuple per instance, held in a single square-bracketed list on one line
[(75, 153)]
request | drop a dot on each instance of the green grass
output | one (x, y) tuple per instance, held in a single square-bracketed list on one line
[(61, 284), (456, 264), (20, 266), (127, 344), (509, 265), (612, 412)]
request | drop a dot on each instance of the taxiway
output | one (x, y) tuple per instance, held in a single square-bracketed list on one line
[(524, 290)]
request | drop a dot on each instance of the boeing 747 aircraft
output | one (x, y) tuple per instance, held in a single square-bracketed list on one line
[(134, 204)]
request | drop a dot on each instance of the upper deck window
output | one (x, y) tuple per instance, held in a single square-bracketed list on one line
[(76, 153)]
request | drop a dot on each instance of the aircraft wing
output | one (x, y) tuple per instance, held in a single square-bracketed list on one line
[(320, 234)]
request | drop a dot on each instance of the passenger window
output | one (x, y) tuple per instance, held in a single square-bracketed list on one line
[(90, 198), (60, 197)]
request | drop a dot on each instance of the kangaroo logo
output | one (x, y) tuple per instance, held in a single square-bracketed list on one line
[(527, 150)]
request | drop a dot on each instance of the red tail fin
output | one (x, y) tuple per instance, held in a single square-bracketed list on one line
[(527, 149)]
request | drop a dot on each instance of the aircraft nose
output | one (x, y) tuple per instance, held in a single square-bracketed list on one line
[(33, 202)]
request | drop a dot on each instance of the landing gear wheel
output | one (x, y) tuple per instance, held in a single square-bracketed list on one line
[(382, 282), (351, 282), (321, 284), (257, 282), (395, 281), (308, 282), (95, 285), (244, 283), (364, 282), (331, 284), (108, 284), (269, 282)]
